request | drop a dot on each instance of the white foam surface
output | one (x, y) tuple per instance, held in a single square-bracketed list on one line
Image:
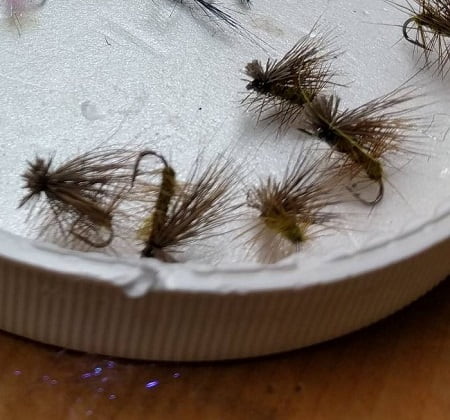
[(159, 74)]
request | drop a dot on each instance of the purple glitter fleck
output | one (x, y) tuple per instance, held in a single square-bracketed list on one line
[(110, 364), (112, 397), (152, 384), (17, 372), (86, 375), (176, 375), (98, 371)]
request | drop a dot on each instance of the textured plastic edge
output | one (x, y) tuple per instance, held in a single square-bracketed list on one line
[(77, 313)]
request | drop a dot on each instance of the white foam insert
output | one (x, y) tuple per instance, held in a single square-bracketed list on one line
[(158, 74)]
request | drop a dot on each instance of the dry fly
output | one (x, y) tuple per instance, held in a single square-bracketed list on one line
[(281, 88), (293, 210), (430, 23), (187, 212), (365, 135), (81, 196)]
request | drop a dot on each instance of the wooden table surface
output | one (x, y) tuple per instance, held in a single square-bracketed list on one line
[(397, 369)]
